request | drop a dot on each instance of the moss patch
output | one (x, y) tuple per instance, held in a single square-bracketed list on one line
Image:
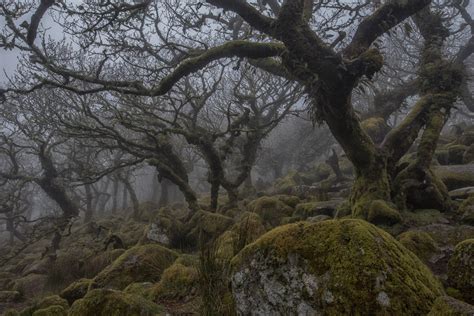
[(420, 243), (137, 264), (461, 270), (76, 290), (177, 282), (335, 267), (102, 302), (270, 209), (448, 306), (54, 310)]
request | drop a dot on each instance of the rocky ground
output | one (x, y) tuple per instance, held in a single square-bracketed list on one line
[(292, 250)]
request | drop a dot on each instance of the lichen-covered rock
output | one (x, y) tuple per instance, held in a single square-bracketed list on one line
[(76, 290), (336, 267), (448, 306), (103, 302), (270, 209), (163, 229), (420, 243), (205, 226), (53, 310), (311, 209), (461, 270), (137, 264)]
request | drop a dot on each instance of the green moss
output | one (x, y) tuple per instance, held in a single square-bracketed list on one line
[(376, 127), (420, 243), (137, 264), (461, 269), (96, 263), (102, 302), (343, 210), (448, 306), (205, 226), (177, 282), (52, 300), (358, 269), (270, 209), (247, 229), (311, 209), (76, 290), (423, 217), (286, 184), (142, 289), (379, 212), (53, 310), (290, 200)]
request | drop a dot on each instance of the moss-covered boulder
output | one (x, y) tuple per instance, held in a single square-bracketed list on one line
[(178, 282), (53, 310), (101, 302), (423, 217), (420, 243), (98, 262), (270, 209), (448, 235), (381, 213), (290, 200), (76, 290), (142, 289), (137, 264), (311, 209), (204, 226), (449, 306), (50, 301), (461, 270), (336, 267), (286, 184), (248, 228), (165, 228)]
